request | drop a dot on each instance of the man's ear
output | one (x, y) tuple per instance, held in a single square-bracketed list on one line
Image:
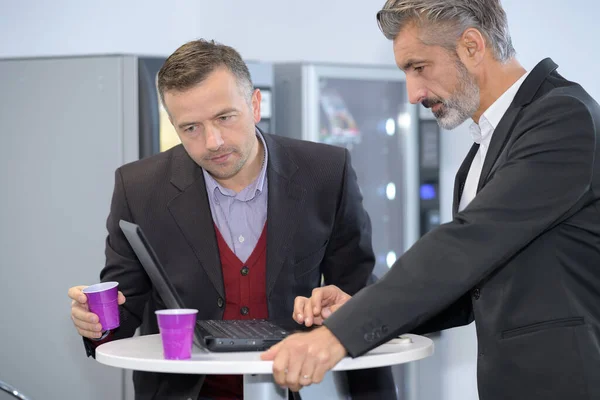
[(471, 47), (256, 99)]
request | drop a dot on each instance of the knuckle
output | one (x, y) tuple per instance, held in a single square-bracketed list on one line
[(278, 369), (289, 381), (302, 347), (323, 356)]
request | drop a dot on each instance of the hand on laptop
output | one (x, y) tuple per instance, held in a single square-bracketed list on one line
[(86, 322), (323, 301)]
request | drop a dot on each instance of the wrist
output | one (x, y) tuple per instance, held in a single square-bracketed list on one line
[(335, 344)]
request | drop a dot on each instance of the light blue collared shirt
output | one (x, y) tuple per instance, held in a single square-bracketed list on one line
[(240, 217)]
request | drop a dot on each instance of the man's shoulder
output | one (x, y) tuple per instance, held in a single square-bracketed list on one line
[(153, 167), (561, 108), (570, 98), (308, 151), (556, 88)]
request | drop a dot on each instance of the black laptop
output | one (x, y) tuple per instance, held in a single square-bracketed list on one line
[(214, 335)]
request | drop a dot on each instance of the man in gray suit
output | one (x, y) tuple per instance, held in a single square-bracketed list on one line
[(521, 256)]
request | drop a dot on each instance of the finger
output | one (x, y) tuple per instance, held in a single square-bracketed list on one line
[(298, 314), (295, 365), (327, 311), (333, 308), (308, 312), (82, 314), (280, 364), (76, 293), (296, 388), (85, 321), (89, 334), (308, 370), (86, 329), (121, 298), (270, 354), (316, 299), (76, 304), (322, 365)]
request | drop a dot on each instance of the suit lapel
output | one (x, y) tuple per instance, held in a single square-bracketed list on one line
[(191, 211), (283, 209), (499, 139), (505, 127), (461, 177)]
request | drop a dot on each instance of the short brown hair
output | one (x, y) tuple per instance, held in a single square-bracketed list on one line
[(192, 62)]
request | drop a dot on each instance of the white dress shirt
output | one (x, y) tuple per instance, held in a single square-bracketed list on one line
[(482, 134)]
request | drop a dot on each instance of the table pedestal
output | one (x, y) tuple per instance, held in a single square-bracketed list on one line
[(263, 387)]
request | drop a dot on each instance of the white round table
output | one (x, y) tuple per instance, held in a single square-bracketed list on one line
[(144, 353)]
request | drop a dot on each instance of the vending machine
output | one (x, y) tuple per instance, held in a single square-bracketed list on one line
[(393, 145)]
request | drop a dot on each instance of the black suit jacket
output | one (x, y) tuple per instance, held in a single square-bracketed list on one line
[(522, 260), (316, 224)]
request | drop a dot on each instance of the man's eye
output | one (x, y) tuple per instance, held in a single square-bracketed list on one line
[(191, 129), (419, 69), (225, 118)]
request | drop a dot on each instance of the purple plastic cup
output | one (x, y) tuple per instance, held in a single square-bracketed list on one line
[(102, 300), (177, 332)]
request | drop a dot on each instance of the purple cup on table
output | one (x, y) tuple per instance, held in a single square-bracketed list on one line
[(103, 301), (177, 332)]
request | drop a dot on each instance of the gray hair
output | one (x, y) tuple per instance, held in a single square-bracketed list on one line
[(450, 18)]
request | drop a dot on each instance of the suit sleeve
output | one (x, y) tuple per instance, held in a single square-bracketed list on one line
[(123, 266), (349, 259), (459, 313), (547, 172)]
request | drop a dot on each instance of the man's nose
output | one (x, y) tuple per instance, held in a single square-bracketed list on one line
[(213, 139), (416, 93)]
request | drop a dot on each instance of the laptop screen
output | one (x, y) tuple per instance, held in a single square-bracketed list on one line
[(151, 264)]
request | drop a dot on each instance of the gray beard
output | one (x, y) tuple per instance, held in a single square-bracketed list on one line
[(462, 105)]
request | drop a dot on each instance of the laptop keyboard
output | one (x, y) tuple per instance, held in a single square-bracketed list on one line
[(243, 329)]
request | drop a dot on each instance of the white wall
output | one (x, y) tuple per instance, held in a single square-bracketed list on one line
[(71, 27), (269, 30), (325, 31)]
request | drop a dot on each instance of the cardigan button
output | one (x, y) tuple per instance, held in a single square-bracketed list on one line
[(244, 271), (244, 310), (220, 302)]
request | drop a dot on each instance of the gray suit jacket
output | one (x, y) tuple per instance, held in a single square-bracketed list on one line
[(522, 260)]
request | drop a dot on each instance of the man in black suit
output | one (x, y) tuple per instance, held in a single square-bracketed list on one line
[(521, 256), (243, 221)]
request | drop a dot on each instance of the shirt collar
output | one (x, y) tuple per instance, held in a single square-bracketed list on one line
[(491, 117), (250, 191)]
